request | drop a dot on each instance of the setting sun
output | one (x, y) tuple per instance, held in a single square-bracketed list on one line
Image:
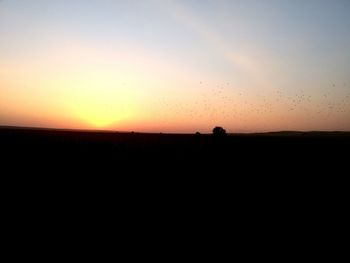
[(100, 115), (98, 99)]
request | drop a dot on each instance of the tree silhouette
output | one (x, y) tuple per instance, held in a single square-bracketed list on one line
[(219, 132)]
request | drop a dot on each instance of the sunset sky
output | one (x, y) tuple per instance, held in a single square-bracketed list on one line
[(175, 66)]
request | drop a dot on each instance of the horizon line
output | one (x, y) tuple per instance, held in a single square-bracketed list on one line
[(159, 132)]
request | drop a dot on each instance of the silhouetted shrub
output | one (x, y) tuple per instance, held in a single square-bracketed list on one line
[(219, 132)]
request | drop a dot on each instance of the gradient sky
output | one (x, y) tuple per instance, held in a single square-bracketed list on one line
[(175, 66)]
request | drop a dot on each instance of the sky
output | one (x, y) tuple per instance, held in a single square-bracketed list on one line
[(175, 66)]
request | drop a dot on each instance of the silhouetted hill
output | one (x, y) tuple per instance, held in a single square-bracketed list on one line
[(328, 134), (248, 172), (154, 150)]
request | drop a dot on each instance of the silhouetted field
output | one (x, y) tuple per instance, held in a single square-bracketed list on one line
[(250, 173), (118, 152)]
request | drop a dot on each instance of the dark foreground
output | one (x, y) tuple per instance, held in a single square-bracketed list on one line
[(112, 153), (256, 163), (277, 180)]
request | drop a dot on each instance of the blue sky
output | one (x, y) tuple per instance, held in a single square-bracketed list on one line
[(273, 60)]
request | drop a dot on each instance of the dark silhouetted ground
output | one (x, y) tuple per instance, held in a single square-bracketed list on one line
[(249, 182), (120, 153)]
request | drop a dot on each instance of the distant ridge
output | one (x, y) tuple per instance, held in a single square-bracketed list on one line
[(296, 133), (259, 134), (52, 129)]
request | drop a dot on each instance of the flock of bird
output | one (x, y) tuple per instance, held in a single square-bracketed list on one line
[(224, 102)]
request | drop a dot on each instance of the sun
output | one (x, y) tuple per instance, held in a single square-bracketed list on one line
[(101, 115), (100, 118), (100, 111), (97, 98)]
